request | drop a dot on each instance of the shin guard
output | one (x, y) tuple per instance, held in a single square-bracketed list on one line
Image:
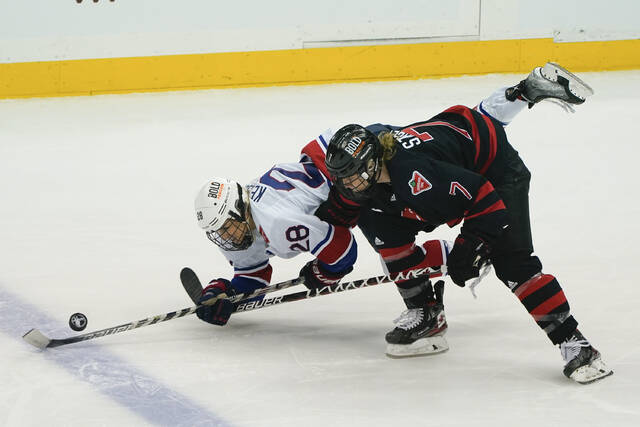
[(544, 299)]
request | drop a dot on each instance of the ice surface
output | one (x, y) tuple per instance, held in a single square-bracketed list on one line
[(96, 216)]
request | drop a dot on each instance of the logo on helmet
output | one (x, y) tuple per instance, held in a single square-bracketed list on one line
[(215, 190), (354, 146)]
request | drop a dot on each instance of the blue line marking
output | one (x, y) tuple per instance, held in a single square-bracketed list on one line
[(109, 374)]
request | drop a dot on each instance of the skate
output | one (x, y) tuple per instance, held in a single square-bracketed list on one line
[(420, 331), (553, 83), (584, 364)]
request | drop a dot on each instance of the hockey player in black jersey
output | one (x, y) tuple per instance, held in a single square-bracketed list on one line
[(457, 167)]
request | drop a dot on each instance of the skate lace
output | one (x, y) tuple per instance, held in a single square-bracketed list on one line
[(484, 270), (409, 318), (571, 348)]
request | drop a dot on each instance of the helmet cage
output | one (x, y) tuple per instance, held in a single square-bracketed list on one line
[(359, 185), (234, 235)]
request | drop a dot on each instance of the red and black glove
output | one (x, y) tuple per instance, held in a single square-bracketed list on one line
[(316, 276), (337, 210), (216, 308), (468, 255)]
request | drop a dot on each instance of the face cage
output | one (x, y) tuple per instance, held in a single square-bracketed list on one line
[(363, 190), (230, 230)]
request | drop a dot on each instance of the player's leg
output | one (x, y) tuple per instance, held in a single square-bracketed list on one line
[(420, 328), (541, 294), (551, 82), (499, 108)]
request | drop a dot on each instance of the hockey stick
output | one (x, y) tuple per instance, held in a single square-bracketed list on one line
[(39, 340), (340, 287), (193, 287)]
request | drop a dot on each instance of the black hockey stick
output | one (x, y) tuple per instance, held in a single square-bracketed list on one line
[(38, 339)]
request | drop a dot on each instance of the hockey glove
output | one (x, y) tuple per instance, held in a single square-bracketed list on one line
[(469, 253), (337, 210), (316, 276), (216, 308)]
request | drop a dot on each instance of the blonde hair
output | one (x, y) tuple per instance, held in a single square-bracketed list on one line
[(388, 143)]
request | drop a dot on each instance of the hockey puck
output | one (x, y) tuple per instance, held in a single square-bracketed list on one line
[(78, 321)]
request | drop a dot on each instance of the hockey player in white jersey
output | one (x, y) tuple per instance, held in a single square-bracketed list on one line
[(274, 216), (422, 321)]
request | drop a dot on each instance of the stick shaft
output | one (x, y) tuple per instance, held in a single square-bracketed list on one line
[(39, 340), (341, 287)]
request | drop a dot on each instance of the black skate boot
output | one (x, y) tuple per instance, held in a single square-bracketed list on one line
[(421, 327), (551, 82), (584, 364)]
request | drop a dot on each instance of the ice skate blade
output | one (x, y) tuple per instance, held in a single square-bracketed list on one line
[(594, 371), (551, 71), (421, 347)]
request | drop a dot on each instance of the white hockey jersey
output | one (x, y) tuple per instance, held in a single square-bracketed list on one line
[(282, 205)]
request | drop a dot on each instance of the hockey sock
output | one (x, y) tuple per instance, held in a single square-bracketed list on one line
[(498, 107), (544, 299), (415, 292), (432, 253)]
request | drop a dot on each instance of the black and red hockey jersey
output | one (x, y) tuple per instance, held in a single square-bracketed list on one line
[(443, 171)]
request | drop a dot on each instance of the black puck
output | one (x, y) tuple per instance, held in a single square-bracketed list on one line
[(78, 321)]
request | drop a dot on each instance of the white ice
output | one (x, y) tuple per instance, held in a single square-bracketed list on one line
[(96, 216)]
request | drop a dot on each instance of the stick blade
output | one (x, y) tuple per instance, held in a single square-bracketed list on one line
[(191, 284), (36, 339)]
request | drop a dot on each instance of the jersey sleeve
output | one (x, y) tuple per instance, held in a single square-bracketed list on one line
[(316, 151), (251, 267), (247, 279), (451, 194), (334, 246)]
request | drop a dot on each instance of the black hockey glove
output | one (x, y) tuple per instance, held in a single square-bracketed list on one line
[(469, 253), (316, 276), (216, 307), (337, 210)]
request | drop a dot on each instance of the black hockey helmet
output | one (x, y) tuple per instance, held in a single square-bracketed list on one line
[(353, 161)]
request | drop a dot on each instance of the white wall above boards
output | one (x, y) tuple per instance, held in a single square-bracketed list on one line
[(380, 22), (44, 30), (565, 21)]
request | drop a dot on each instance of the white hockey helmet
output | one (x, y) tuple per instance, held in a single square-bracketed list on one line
[(221, 210)]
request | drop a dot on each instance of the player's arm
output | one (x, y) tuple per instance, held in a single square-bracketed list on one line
[(455, 194), (461, 195), (334, 248), (251, 268), (251, 277), (338, 210), (251, 271)]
